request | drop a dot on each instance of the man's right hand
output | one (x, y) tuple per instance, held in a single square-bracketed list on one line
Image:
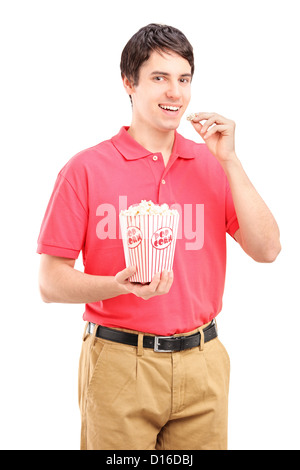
[(160, 284)]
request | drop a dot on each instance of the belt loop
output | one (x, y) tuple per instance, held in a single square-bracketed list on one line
[(94, 334), (85, 334), (215, 323), (140, 346), (201, 345)]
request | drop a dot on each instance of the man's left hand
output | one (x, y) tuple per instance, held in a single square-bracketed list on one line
[(218, 133)]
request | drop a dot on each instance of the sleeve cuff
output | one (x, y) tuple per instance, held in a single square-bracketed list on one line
[(232, 226), (57, 251)]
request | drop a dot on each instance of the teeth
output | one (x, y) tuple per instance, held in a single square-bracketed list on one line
[(170, 108)]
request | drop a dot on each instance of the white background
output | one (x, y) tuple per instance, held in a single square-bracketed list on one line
[(60, 93)]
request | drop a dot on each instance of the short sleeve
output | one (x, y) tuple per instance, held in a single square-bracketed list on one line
[(64, 225), (232, 223)]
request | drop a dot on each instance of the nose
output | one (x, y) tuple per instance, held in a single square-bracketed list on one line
[(173, 90)]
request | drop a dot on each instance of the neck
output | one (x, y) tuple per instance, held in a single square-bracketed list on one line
[(154, 140)]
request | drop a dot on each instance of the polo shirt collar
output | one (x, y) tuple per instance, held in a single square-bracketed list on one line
[(132, 150)]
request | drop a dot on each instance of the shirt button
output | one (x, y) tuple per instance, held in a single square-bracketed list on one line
[(163, 182), (155, 157)]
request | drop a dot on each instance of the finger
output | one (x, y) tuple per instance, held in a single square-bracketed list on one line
[(214, 130), (122, 276), (161, 288), (204, 116), (159, 285), (211, 118), (208, 124), (169, 281), (197, 126), (217, 117), (145, 291), (165, 283), (154, 283), (195, 117)]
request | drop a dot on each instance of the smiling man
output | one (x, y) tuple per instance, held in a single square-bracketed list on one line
[(160, 100), (153, 373)]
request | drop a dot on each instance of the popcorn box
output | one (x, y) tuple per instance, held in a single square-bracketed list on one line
[(149, 234)]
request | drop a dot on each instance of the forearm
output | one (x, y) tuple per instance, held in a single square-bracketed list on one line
[(68, 285), (259, 233), (59, 282)]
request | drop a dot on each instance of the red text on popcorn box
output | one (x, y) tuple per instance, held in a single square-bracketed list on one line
[(134, 237), (162, 238)]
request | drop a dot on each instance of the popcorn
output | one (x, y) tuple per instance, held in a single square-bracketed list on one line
[(191, 116), (148, 207), (149, 234)]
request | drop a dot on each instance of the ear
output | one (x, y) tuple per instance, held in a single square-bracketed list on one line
[(128, 85)]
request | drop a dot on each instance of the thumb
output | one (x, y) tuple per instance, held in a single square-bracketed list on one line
[(123, 276), (197, 126)]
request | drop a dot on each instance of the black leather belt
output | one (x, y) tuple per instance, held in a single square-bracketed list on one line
[(158, 343)]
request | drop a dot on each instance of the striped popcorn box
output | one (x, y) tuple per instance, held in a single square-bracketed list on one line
[(149, 234)]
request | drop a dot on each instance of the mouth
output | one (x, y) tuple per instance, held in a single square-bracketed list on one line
[(170, 109)]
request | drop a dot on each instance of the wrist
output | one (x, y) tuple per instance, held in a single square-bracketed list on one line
[(118, 287), (230, 163), (107, 287)]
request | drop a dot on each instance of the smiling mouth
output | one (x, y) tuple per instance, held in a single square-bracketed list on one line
[(169, 108)]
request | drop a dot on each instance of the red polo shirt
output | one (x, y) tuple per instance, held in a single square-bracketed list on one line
[(83, 215)]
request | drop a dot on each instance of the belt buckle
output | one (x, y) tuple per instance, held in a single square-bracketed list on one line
[(156, 343)]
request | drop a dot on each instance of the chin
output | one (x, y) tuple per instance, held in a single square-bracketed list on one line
[(172, 126)]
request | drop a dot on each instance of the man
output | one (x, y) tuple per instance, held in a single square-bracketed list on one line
[(136, 389)]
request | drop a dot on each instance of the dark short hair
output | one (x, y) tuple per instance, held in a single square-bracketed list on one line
[(153, 37)]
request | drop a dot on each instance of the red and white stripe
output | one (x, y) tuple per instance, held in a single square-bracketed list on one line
[(148, 259)]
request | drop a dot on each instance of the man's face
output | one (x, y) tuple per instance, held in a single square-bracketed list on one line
[(163, 91)]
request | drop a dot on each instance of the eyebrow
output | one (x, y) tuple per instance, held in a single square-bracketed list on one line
[(157, 72)]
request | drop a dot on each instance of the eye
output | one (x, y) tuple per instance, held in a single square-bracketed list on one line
[(159, 78), (184, 80)]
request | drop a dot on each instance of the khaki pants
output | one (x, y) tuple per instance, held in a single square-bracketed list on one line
[(135, 398)]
